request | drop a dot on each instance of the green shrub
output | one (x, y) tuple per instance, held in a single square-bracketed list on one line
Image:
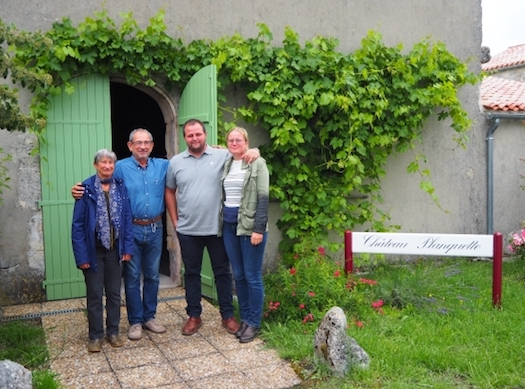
[(306, 290)]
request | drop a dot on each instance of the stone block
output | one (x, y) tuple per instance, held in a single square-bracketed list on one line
[(14, 376), (333, 346)]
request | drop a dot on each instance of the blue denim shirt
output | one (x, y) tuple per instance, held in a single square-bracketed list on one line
[(145, 185)]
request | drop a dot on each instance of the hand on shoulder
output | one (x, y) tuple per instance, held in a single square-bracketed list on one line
[(77, 191)]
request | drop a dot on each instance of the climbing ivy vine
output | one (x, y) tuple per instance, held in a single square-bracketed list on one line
[(333, 118), (11, 115)]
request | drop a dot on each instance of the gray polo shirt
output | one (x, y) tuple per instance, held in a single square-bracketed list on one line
[(198, 184)]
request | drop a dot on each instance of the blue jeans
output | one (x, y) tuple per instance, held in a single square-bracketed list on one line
[(192, 250), (142, 307), (108, 279), (246, 260)]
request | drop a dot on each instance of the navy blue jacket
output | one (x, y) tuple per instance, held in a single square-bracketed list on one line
[(85, 220)]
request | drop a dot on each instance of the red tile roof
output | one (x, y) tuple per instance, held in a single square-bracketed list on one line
[(500, 94), (514, 55)]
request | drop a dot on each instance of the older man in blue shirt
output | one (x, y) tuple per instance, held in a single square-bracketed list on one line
[(145, 180)]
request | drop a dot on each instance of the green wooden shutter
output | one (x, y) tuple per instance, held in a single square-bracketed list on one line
[(199, 101), (78, 126)]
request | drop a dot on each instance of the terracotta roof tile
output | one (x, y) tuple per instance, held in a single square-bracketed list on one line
[(501, 94), (514, 55)]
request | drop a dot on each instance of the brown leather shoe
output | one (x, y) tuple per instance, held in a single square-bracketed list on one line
[(231, 325), (191, 326), (115, 341), (94, 345)]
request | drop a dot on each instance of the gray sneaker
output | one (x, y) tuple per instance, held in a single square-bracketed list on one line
[(135, 332), (153, 326)]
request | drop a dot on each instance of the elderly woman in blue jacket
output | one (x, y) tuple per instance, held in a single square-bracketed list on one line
[(102, 237)]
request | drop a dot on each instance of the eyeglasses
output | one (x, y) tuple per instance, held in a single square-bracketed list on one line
[(143, 143), (235, 140)]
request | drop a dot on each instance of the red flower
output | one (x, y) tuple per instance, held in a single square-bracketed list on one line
[(308, 318), (350, 284), (377, 304), (311, 294), (293, 271), (301, 306), (321, 250), (367, 281), (272, 306), (295, 256), (359, 323), (337, 273)]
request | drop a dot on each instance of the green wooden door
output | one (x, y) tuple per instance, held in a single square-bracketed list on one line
[(199, 101), (78, 126)]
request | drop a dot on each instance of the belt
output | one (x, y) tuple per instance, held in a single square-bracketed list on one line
[(147, 222)]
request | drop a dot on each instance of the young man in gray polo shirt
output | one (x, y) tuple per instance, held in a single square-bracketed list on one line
[(193, 201)]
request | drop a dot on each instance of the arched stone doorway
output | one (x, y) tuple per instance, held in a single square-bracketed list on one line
[(140, 106)]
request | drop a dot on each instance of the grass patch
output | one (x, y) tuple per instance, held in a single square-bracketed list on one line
[(437, 328), (24, 342)]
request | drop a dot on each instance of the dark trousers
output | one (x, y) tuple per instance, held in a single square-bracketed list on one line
[(192, 250), (108, 276)]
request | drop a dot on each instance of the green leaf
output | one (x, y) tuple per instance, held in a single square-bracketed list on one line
[(326, 98)]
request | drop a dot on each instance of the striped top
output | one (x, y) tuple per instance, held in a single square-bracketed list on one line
[(233, 184)]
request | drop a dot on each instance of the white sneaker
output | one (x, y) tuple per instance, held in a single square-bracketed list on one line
[(135, 332), (153, 326)]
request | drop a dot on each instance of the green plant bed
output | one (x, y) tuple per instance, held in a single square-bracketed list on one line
[(426, 324), (24, 342)]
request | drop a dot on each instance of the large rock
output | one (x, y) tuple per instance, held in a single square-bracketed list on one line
[(333, 346), (14, 376)]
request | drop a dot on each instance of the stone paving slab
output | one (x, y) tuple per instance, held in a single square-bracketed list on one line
[(211, 358)]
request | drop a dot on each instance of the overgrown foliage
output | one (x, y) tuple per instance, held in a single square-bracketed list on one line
[(333, 118), (31, 77), (304, 291)]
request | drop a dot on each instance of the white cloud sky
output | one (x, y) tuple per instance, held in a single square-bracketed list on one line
[(503, 24)]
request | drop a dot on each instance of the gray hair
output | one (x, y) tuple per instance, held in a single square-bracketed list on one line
[(105, 153), (132, 134)]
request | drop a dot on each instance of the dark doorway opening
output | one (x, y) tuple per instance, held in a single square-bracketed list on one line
[(130, 109)]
